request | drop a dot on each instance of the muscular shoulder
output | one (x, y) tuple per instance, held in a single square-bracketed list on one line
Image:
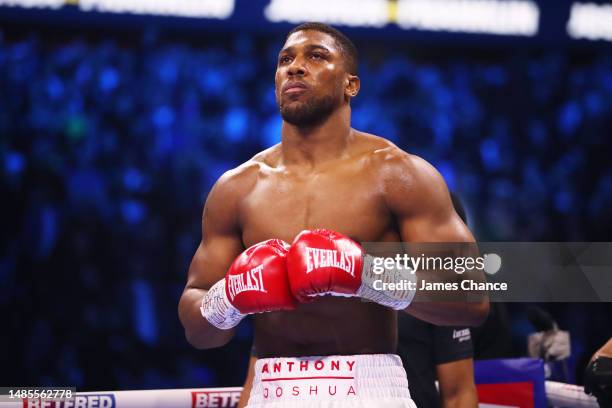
[(222, 208), (238, 182), (404, 178), (396, 165), (235, 183)]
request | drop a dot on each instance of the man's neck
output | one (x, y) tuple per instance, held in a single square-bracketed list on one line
[(318, 144)]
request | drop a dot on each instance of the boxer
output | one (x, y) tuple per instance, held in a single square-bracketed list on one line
[(280, 240)]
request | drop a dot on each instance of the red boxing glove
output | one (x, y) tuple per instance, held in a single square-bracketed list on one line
[(322, 262), (257, 280)]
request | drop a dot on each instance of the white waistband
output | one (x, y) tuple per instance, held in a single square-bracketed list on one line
[(328, 377)]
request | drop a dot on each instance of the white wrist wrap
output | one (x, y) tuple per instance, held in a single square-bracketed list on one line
[(397, 299), (217, 309)]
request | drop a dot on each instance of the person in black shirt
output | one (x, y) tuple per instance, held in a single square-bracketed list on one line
[(431, 352)]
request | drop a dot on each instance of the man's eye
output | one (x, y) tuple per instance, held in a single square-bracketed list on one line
[(284, 59), (316, 55)]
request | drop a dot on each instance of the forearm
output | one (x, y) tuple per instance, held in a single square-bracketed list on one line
[(465, 398), (457, 306), (456, 380), (418, 295), (198, 331)]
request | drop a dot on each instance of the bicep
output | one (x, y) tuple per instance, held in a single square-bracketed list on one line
[(445, 226), (420, 202), (221, 243), (211, 260), (221, 240)]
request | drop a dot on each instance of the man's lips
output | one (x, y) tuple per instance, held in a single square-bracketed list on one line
[(294, 87)]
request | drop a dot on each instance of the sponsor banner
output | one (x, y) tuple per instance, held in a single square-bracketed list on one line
[(176, 398), (222, 398), (99, 400)]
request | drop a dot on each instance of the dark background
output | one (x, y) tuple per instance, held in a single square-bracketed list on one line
[(112, 135)]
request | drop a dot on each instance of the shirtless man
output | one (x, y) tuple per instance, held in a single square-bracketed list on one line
[(323, 175)]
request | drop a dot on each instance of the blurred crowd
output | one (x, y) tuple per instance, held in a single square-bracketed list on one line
[(109, 146)]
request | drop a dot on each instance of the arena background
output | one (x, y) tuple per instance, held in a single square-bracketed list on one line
[(114, 126)]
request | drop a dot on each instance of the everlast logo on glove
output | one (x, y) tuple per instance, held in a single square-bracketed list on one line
[(323, 258), (250, 280)]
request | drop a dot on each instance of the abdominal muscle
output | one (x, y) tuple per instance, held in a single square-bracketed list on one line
[(327, 326)]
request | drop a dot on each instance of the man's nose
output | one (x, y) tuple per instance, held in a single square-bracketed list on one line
[(297, 67)]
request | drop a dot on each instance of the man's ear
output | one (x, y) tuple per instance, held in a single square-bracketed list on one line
[(352, 85)]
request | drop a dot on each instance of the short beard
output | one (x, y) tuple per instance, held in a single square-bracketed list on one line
[(310, 113)]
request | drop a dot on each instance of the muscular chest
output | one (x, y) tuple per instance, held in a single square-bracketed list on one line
[(282, 204)]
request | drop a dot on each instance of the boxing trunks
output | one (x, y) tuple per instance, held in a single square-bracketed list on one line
[(360, 381)]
